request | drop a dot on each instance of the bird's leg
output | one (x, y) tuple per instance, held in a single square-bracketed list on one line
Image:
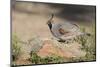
[(69, 40), (61, 40)]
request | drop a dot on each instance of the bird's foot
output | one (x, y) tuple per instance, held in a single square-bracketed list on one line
[(61, 40), (69, 41)]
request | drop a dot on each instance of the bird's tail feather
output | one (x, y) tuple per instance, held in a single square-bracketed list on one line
[(88, 34)]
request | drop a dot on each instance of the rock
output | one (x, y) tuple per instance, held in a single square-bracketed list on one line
[(50, 48)]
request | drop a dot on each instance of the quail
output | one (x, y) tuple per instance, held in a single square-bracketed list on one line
[(63, 31)]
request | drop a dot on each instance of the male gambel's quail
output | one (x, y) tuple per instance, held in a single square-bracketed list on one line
[(64, 31)]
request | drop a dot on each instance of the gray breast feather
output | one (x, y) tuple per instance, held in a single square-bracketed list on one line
[(55, 31)]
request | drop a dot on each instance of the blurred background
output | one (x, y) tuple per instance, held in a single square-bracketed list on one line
[(29, 18)]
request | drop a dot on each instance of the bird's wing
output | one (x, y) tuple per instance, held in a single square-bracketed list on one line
[(64, 28), (62, 31), (68, 27)]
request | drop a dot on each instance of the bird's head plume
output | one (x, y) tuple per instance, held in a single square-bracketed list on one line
[(50, 20)]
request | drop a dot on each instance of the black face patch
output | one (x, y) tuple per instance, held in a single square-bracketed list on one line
[(50, 25)]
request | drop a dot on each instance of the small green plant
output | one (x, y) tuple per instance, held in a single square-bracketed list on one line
[(58, 59), (34, 58), (51, 59), (15, 47), (88, 45), (46, 60), (82, 39)]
